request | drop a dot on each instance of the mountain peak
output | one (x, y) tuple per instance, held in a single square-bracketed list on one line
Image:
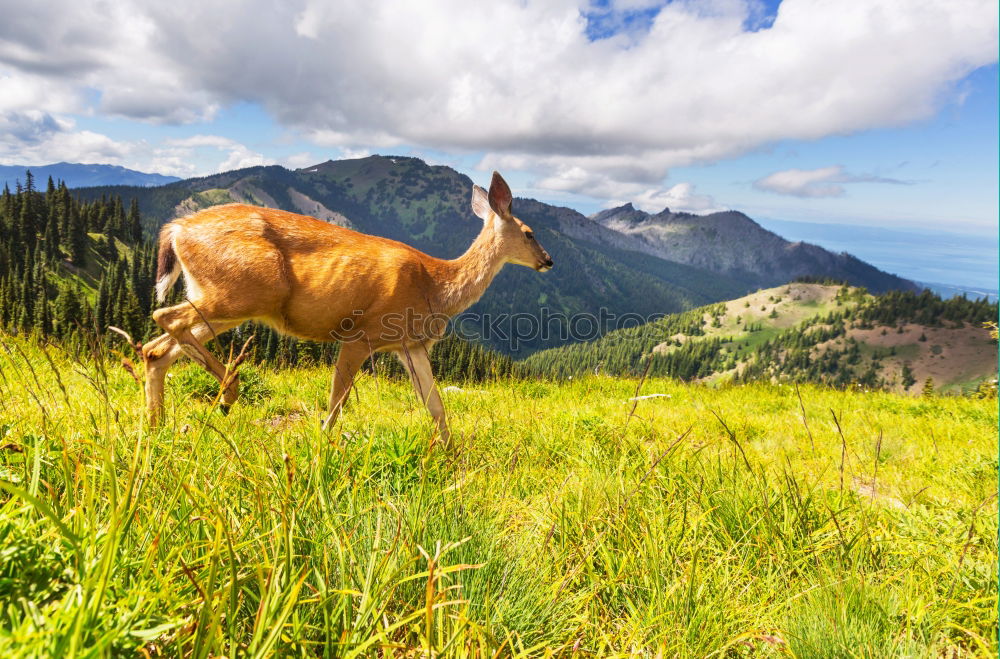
[(624, 213)]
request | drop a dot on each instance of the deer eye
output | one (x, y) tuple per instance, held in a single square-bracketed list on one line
[(530, 235)]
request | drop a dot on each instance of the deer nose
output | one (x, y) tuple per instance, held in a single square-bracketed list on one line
[(548, 262)]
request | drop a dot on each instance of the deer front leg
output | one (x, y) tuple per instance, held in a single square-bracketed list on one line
[(352, 356), (417, 363), (157, 356)]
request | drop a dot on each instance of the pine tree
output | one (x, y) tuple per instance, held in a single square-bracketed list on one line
[(43, 317), (6, 214), (27, 228), (907, 378), (65, 202), (78, 239), (68, 311), (928, 389), (133, 223), (101, 312), (110, 248), (52, 239)]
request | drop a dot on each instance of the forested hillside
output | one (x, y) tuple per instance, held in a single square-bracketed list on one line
[(802, 332)]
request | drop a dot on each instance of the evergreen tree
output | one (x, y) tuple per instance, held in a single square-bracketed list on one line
[(65, 202), (27, 225), (907, 378), (928, 389), (103, 303), (52, 229), (133, 223), (68, 309), (43, 316), (78, 240)]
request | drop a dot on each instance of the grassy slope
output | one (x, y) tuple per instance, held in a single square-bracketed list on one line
[(793, 303), (88, 278), (956, 358), (556, 522)]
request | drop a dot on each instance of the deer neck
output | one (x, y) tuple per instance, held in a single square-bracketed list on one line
[(467, 277)]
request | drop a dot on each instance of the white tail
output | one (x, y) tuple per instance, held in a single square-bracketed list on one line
[(168, 269)]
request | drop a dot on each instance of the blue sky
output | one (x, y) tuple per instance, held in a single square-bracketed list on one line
[(878, 113), (947, 165)]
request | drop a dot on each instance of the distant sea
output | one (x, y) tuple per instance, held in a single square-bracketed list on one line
[(948, 263)]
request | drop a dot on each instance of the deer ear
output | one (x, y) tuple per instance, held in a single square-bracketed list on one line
[(500, 196), (480, 204)]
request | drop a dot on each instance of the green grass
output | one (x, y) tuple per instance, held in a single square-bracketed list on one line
[(212, 197), (559, 520)]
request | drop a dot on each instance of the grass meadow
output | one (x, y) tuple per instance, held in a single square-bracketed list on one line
[(565, 519)]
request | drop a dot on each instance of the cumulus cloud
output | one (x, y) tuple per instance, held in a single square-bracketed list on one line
[(679, 197), (640, 187), (822, 182), (34, 137), (188, 156), (299, 160), (521, 81)]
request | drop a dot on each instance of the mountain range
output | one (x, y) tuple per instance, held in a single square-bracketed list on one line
[(622, 260), (732, 244), (78, 175)]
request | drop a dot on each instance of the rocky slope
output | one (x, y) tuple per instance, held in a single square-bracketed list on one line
[(731, 243)]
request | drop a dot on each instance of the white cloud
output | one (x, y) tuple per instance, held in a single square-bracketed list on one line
[(299, 160), (680, 197), (517, 80), (198, 154), (822, 182), (195, 141), (34, 138), (650, 198), (21, 92), (37, 138), (240, 157)]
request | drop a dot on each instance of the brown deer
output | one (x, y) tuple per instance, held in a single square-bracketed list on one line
[(322, 282)]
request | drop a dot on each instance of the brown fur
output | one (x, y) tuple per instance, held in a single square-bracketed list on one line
[(323, 282)]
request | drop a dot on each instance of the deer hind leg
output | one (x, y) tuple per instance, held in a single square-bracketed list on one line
[(417, 363), (188, 328), (352, 356), (160, 353)]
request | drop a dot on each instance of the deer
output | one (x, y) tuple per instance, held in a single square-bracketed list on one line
[(314, 280)]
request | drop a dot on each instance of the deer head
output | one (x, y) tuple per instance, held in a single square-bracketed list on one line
[(516, 239)]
